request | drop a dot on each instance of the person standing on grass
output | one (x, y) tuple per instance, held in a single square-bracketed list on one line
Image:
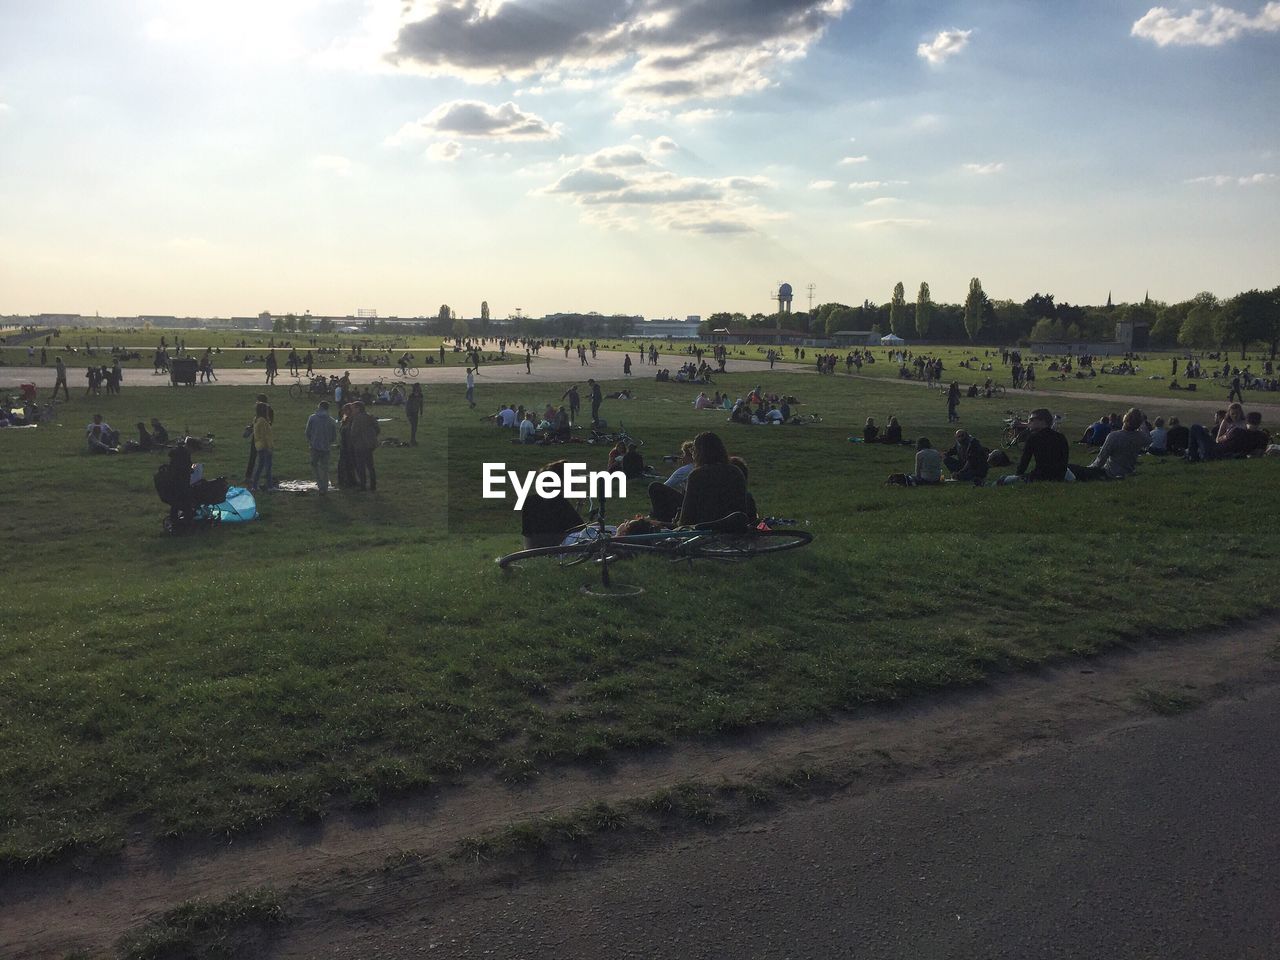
[(953, 402), (575, 402), (363, 441), (263, 444), (596, 397), (117, 376), (273, 367), (253, 449), (61, 370), (321, 433), (413, 406), (528, 361), (626, 365), (471, 387)]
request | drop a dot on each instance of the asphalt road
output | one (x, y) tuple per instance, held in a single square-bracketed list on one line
[(1158, 840)]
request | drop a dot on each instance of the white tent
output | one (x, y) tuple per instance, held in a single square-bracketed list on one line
[(892, 340)]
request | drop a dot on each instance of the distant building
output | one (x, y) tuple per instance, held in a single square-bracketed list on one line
[(665, 329), (759, 336), (855, 338)]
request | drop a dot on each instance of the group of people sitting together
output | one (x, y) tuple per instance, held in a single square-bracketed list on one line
[(757, 408), (690, 372), (708, 488), (101, 438), (1120, 441)]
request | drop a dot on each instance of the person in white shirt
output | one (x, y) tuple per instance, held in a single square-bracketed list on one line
[(507, 418), (928, 463), (667, 497), (471, 387), (528, 429), (1159, 439), (100, 437), (774, 415)]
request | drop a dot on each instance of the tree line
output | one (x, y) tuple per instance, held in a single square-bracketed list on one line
[(1204, 322)]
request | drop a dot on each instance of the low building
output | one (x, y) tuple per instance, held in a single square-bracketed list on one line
[(855, 338), (665, 329), (759, 336)]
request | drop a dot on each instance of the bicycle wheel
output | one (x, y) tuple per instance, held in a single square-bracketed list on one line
[(296, 392), (560, 555), (741, 546), (411, 371)]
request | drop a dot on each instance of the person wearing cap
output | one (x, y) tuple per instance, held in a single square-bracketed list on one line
[(1046, 447)]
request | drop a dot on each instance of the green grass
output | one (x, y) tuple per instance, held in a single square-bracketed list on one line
[(345, 651), (1167, 703), (206, 930)]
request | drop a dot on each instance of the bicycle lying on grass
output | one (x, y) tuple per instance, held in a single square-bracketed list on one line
[(730, 539)]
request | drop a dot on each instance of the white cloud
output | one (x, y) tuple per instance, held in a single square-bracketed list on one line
[(882, 202), (984, 169), (690, 117), (477, 120), (1201, 27), (664, 145), (892, 223), (821, 184), (626, 195), (4, 108), (446, 151), (944, 46), (332, 163), (876, 184), (850, 161), (1225, 180)]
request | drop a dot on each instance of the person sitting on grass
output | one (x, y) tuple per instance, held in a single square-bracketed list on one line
[(967, 460), (631, 463), (870, 432), (1238, 441), (1118, 457), (546, 521), (666, 498), (100, 437), (892, 432), (1096, 432), (1179, 437), (528, 429), (716, 488), (1044, 446), (144, 442), (928, 470), (1159, 445)]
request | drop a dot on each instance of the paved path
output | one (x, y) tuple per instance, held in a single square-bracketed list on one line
[(1158, 840), (552, 367)]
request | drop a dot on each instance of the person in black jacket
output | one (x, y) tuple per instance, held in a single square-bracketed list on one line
[(967, 460), (716, 488), (1047, 447), (545, 521)]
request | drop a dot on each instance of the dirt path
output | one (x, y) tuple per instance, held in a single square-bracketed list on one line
[(54, 912)]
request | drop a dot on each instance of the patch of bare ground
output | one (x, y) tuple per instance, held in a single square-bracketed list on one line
[(336, 872)]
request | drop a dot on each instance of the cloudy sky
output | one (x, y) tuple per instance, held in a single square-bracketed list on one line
[(664, 157)]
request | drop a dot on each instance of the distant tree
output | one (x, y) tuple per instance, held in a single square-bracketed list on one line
[(1040, 306), (1045, 329), (484, 310), (924, 311), (1246, 318), (461, 329), (325, 326), (1164, 332), (1197, 331), (897, 315), (445, 313), (974, 308), (277, 325), (290, 323), (304, 324), (1273, 335)]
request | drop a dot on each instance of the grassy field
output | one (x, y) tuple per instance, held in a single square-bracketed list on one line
[(348, 650)]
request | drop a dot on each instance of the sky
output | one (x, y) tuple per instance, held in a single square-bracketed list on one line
[(655, 157)]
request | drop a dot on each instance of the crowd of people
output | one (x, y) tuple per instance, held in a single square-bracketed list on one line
[(1119, 443)]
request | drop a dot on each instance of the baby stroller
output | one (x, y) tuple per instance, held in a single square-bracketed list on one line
[(190, 504)]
